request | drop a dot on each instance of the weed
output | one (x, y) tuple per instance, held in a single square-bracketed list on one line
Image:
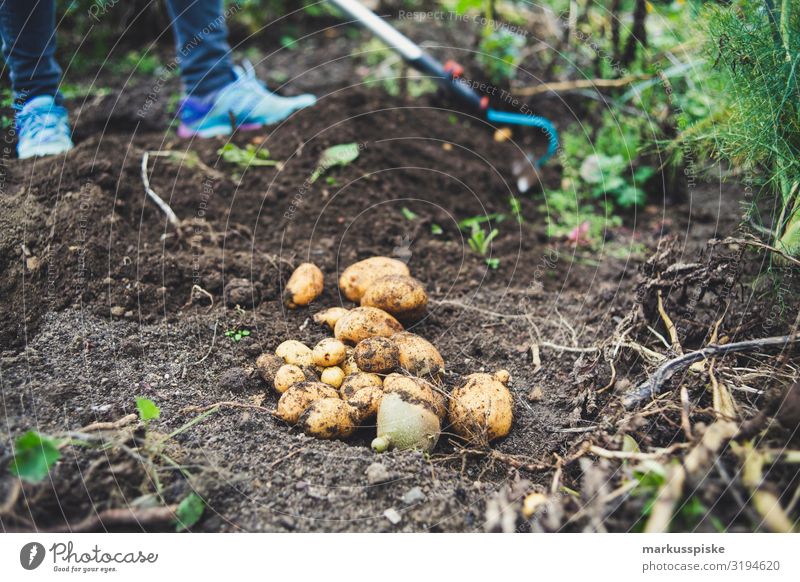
[(236, 335), (251, 155), (34, 456), (408, 214)]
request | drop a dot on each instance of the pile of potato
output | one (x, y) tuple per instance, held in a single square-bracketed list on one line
[(372, 370)]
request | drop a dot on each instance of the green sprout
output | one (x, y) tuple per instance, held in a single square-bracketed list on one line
[(479, 240), (236, 335), (251, 155), (436, 229), (34, 456), (408, 214)]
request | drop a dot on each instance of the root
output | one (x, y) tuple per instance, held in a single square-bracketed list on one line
[(225, 404), (117, 424), (150, 516), (163, 206), (763, 499)]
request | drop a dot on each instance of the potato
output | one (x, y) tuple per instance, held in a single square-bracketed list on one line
[(329, 352), (297, 398), (294, 352), (481, 409), (418, 356), (416, 390), (377, 354), (268, 365), (330, 316), (332, 376), (366, 402), (357, 277), (359, 381), (328, 418), (405, 423), (349, 365), (363, 322), (399, 295), (288, 375), (305, 285)]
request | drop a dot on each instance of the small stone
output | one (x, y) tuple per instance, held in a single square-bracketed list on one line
[(536, 394), (393, 516), (301, 485), (412, 496), (117, 311), (377, 473)]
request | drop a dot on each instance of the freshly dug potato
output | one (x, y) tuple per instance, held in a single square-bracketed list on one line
[(363, 322), (349, 365), (377, 354), (357, 277), (288, 375), (297, 398), (305, 285), (418, 356), (399, 295), (481, 409), (416, 390), (366, 403), (294, 352), (405, 423), (332, 376), (353, 383), (328, 418), (330, 316), (329, 352), (268, 365)]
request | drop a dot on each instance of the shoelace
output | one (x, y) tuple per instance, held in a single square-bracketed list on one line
[(36, 120), (246, 78)]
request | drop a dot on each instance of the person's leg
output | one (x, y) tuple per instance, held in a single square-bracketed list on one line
[(201, 43), (27, 28)]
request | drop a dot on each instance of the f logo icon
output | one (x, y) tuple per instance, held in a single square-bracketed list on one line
[(31, 555)]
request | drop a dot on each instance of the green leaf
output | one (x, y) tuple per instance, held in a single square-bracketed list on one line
[(338, 155), (34, 455), (147, 409), (189, 511), (493, 263), (252, 155), (629, 445), (436, 229), (630, 196), (468, 223), (408, 214), (245, 332)]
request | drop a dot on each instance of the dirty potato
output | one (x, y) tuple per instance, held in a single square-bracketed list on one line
[(360, 380), (417, 389), (357, 277), (305, 285), (329, 352), (399, 295), (405, 423), (418, 356), (328, 418), (298, 397), (366, 402), (363, 322), (288, 375), (481, 409), (330, 316), (349, 365), (268, 365), (333, 376), (294, 352), (377, 354)]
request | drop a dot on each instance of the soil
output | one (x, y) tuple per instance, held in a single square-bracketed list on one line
[(102, 301)]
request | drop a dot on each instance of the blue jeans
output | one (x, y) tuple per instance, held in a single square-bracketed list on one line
[(27, 28)]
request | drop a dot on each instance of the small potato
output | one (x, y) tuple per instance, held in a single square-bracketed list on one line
[(359, 381), (363, 322), (288, 375), (349, 365), (328, 418), (294, 352), (418, 356), (330, 316), (399, 295), (366, 402), (481, 409), (377, 354), (268, 365), (332, 376), (329, 352), (405, 423), (416, 390), (297, 398), (357, 277), (305, 285)]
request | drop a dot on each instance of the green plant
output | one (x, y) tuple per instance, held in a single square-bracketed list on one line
[(515, 207), (341, 154), (387, 70), (236, 335), (34, 456), (480, 240), (499, 53), (251, 155), (408, 214), (147, 410)]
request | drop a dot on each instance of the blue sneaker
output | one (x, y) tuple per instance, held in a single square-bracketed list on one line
[(244, 104), (42, 128)]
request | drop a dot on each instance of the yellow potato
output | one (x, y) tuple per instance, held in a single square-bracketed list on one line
[(268, 365), (405, 423), (357, 277), (481, 409), (330, 316), (377, 354), (418, 356), (363, 322), (354, 383), (328, 418), (297, 398), (332, 376), (305, 285), (416, 390), (329, 352), (399, 295), (349, 365), (366, 402), (294, 352), (288, 375)]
